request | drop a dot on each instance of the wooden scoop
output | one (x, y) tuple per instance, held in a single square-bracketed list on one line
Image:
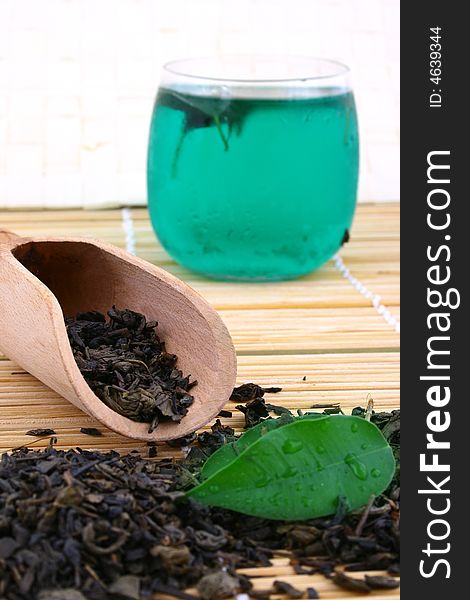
[(43, 279)]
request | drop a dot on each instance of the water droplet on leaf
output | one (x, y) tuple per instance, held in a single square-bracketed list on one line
[(292, 446), (261, 483), (354, 427), (290, 472), (376, 473), (357, 467)]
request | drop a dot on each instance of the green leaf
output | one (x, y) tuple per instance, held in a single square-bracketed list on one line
[(298, 471), (206, 111)]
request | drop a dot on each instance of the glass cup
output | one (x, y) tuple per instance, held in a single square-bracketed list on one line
[(253, 164)]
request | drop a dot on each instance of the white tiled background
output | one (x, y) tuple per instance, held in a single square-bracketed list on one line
[(78, 77)]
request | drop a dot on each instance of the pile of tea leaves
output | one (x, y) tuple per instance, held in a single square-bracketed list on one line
[(82, 525), (126, 365)]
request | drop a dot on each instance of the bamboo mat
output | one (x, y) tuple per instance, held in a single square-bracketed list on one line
[(329, 337)]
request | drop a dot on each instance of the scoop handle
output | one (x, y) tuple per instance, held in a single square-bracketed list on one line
[(10, 239)]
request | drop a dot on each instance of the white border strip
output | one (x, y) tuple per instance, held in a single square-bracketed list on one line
[(128, 227), (374, 298)]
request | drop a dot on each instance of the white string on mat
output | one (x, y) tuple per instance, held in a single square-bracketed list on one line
[(128, 227), (364, 291)]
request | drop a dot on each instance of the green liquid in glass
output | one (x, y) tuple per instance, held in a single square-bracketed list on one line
[(252, 188)]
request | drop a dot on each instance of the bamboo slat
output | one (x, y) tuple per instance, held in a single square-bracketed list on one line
[(317, 337)]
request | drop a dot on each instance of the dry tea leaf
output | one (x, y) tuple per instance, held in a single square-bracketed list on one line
[(66, 594), (379, 582), (217, 586), (282, 587), (7, 546), (91, 431), (350, 583), (251, 391), (127, 586), (40, 432)]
